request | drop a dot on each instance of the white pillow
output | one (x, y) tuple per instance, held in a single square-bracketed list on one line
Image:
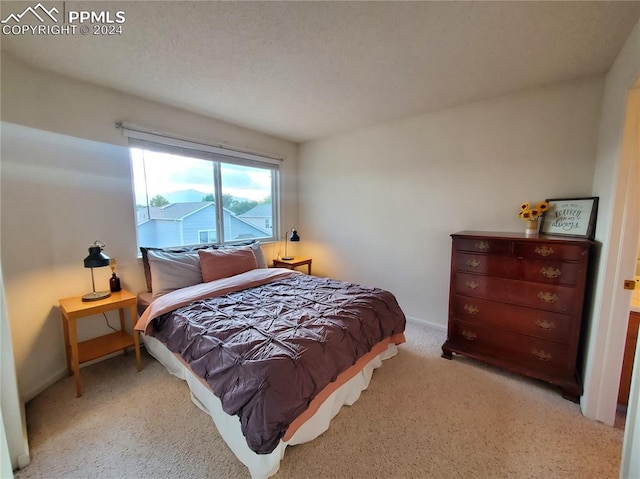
[(257, 252), (172, 271)]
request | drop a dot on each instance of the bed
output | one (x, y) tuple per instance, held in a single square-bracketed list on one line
[(270, 354)]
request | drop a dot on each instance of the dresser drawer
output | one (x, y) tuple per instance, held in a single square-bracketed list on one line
[(534, 322), (540, 271), (549, 272), (490, 265), (520, 350), (482, 246), (554, 298), (549, 251)]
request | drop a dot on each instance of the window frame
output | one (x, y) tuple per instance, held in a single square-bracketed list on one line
[(208, 235), (218, 156)]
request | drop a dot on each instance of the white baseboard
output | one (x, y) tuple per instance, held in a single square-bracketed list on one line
[(23, 460), (64, 373), (441, 328), (29, 395)]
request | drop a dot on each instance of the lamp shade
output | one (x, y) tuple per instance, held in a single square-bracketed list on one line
[(96, 257), (294, 235)]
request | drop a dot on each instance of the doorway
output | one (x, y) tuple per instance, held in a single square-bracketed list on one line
[(626, 265)]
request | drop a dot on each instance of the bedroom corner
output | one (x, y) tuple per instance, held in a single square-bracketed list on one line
[(66, 182)]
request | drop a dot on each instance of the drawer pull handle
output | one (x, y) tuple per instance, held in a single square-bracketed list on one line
[(472, 284), (542, 355), (544, 250), (473, 263), (546, 325), (550, 272), (482, 245), (469, 335), (548, 297), (471, 309)]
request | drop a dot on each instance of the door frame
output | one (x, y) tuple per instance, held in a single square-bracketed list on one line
[(611, 317)]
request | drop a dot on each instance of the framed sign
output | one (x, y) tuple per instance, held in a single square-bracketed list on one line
[(571, 217)]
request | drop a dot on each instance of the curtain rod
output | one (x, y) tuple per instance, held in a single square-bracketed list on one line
[(138, 129)]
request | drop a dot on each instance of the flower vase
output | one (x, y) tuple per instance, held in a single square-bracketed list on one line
[(531, 228)]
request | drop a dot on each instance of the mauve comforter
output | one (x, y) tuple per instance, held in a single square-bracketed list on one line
[(266, 351)]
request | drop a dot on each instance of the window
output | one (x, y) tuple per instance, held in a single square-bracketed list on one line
[(187, 196), (207, 236)]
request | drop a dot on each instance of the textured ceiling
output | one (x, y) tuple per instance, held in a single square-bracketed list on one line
[(305, 70)]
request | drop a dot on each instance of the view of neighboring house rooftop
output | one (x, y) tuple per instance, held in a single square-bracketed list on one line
[(189, 213), (172, 211), (260, 211)]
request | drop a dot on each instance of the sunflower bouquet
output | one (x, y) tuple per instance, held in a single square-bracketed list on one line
[(527, 213)]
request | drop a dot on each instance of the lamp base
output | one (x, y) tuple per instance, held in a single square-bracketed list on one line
[(96, 295), (287, 258)]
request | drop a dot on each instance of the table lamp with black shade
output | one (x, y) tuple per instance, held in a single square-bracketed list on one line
[(289, 237), (96, 259)]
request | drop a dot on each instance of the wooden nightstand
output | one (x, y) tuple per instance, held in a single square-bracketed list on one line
[(74, 308), (292, 263)]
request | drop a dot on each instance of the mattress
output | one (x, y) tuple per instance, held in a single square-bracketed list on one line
[(265, 465)]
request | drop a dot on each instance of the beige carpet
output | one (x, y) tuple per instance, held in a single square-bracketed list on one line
[(422, 417)]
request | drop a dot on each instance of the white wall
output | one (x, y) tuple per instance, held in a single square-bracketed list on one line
[(6, 472), (65, 182), (14, 447), (59, 194), (377, 205)]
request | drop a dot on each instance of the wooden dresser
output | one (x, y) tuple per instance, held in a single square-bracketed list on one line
[(516, 302)]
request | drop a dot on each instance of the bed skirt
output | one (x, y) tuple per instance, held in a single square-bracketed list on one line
[(262, 466)]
